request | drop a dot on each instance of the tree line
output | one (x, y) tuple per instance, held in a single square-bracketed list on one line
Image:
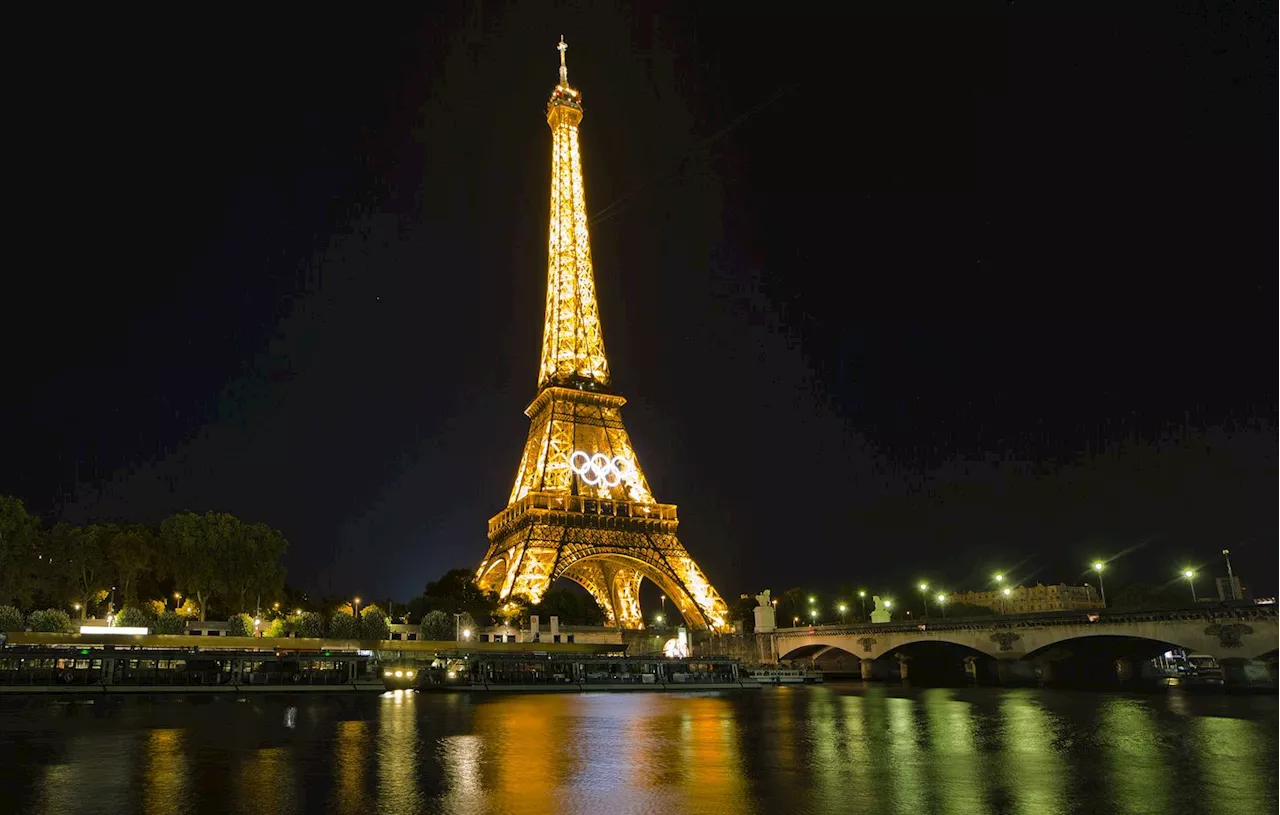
[(212, 561)]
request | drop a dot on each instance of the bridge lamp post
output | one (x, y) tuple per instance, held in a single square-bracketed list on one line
[(924, 588), (843, 609), (1191, 579), (999, 578), (942, 600), (813, 616), (1098, 566), (1003, 595)]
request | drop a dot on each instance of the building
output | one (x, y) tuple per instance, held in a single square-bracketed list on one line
[(1031, 599), (1229, 588), (552, 632)]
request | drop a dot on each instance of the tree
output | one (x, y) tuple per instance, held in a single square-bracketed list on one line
[(131, 550), (51, 620), (456, 591), (240, 625), (133, 617), (76, 554), (196, 546), (743, 612), (11, 619), (19, 536), (373, 624), (170, 622), (252, 560), (342, 626), (436, 625), (308, 624), (572, 607)]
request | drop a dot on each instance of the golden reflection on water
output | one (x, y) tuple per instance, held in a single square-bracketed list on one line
[(349, 753), (713, 770), (1140, 769), (1035, 774), (264, 781), (397, 750), (1234, 760), (165, 780), (522, 737)]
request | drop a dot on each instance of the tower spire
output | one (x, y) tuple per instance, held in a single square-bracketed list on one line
[(572, 343), (564, 69)]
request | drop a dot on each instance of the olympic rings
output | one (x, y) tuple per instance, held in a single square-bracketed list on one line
[(599, 469)]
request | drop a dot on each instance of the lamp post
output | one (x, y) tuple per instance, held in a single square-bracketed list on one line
[(457, 626), (1191, 579), (924, 588), (1102, 589), (1004, 593), (795, 622), (664, 603), (862, 598), (843, 609), (942, 599), (813, 616), (177, 601), (1231, 578)]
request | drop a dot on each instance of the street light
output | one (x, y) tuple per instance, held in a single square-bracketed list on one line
[(466, 633), (1007, 591), (795, 621), (664, 603), (813, 616), (924, 587), (1097, 567), (1231, 578), (658, 619), (999, 577), (942, 599), (843, 609), (1191, 578), (862, 597)]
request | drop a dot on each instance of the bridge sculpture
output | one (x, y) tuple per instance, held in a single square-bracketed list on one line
[(1226, 633)]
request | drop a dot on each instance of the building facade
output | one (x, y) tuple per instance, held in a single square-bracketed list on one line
[(1031, 599)]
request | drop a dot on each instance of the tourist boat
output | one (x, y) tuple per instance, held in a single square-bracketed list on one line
[(783, 676), (400, 676)]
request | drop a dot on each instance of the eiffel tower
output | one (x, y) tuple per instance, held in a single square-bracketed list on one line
[(581, 507)]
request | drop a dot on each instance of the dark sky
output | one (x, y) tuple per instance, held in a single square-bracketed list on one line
[(893, 295)]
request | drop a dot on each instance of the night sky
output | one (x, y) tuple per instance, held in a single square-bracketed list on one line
[(892, 295)]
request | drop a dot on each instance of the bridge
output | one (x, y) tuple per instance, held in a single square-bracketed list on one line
[(1043, 644)]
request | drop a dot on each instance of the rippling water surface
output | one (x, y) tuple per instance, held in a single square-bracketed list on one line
[(823, 749)]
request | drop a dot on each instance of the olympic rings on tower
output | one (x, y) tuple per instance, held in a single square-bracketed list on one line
[(599, 470)]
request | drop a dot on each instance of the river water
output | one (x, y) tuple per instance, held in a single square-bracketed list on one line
[(816, 749)]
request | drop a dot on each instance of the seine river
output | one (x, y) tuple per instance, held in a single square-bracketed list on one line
[(819, 749)]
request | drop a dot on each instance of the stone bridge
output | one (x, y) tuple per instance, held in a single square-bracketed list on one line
[(1239, 633)]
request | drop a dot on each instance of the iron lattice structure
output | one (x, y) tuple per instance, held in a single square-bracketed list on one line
[(580, 507)]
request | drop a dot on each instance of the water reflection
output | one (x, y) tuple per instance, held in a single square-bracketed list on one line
[(165, 781), (102, 762), (1035, 774), (801, 751), (956, 770), (1238, 773), (264, 782), (350, 749), (1139, 766), (397, 751)]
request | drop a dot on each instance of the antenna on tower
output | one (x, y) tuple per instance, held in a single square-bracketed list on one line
[(564, 69)]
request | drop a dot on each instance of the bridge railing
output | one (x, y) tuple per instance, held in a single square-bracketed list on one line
[(1207, 612)]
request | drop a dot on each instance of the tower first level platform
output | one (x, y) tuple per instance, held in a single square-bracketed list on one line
[(581, 509)]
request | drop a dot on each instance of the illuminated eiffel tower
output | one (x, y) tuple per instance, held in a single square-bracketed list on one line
[(580, 507)]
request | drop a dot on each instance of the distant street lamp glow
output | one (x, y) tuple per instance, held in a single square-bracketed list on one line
[(924, 587), (942, 600), (1007, 591), (843, 609), (1102, 589), (1191, 579)]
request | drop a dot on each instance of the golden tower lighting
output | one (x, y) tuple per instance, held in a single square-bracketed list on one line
[(580, 507)]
